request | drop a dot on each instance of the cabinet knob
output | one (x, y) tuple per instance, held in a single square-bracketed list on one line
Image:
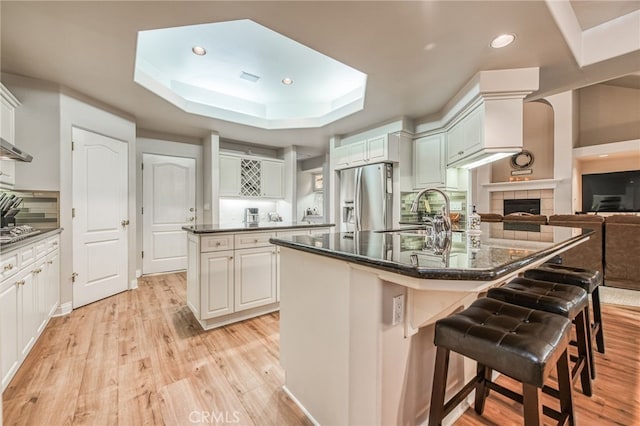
[(49, 262), (230, 257), (8, 267), (217, 243), (460, 152), (191, 219), (21, 282), (255, 241), (55, 243), (37, 271)]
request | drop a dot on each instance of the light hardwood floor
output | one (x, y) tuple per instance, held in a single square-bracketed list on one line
[(140, 358)]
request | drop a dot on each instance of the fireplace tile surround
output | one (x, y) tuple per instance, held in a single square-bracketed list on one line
[(545, 196)]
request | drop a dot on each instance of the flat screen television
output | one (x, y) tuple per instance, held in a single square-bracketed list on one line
[(611, 192)]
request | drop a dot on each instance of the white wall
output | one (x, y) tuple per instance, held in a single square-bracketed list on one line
[(37, 123), (78, 112), (172, 149)]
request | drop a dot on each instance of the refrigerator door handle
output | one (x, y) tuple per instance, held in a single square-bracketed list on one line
[(357, 201), (383, 185)]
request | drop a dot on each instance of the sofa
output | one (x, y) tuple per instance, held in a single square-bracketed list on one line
[(622, 251)]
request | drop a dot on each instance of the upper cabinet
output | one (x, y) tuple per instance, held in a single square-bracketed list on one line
[(8, 105), (251, 177), (428, 161), (466, 137), (371, 150)]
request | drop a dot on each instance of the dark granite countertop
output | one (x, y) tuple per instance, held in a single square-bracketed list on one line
[(241, 227), (4, 248), (497, 251)]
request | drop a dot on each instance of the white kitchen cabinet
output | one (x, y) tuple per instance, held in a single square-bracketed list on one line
[(9, 356), (367, 151), (229, 176), (251, 177), (429, 168), (235, 276), (8, 105), (272, 179), (466, 137), (255, 277), (217, 274), (52, 292), (28, 317), (28, 297)]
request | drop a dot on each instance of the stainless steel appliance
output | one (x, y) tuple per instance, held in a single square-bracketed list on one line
[(251, 216), (9, 151), (366, 195)]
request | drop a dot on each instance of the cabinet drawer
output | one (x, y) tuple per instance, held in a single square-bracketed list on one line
[(320, 231), (40, 248), (53, 243), (8, 265), (26, 255), (251, 240), (216, 243), (292, 232)]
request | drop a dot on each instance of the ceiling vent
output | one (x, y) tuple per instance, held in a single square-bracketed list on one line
[(249, 77)]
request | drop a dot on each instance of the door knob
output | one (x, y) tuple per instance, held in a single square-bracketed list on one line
[(124, 222)]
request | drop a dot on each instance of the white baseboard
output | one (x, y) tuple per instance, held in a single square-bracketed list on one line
[(299, 404), (138, 273), (134, 284), (63, 309)]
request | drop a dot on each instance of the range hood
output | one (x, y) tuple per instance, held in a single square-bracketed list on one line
[(9, 152)]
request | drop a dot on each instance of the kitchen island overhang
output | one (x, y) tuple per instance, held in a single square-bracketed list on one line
[(347, 358)]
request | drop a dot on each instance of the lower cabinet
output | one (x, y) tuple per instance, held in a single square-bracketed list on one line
[(255, 277), (27, 300), (216, 277), (232, 277)]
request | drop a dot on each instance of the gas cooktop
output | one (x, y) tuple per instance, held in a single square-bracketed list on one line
[(16, 233)]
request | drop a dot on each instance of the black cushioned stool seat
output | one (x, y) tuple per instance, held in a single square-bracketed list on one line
[(525, 344), (569, 301), (588, 279)]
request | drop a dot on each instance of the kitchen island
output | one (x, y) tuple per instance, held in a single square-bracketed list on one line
[(357, 313), (233, 270)]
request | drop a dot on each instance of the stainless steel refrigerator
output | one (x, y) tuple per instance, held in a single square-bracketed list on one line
[(366, 195)]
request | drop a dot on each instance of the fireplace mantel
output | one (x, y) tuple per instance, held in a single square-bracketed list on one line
[(522, 185)]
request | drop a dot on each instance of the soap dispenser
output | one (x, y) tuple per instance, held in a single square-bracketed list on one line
[(474, 221)]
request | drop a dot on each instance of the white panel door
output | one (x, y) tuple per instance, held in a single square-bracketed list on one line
[(100, 200), (169, 200)]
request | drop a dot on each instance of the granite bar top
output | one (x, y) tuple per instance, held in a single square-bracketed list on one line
[(484, 256), (242, 227), (5, 248)]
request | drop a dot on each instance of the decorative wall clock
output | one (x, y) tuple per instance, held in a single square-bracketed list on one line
[(522, 160)]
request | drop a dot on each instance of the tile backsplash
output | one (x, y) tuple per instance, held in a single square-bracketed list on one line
[(39, 209), (432, 204)]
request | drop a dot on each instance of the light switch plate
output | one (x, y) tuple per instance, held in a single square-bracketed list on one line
[(456, 205)]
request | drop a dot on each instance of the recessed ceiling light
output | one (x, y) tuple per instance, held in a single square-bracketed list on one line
[(502, 40), (430, 46), (199, 50), (287, 81)]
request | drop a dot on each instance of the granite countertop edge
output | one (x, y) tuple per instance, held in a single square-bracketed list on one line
[(430, 273), (267, 226), (30, 240)]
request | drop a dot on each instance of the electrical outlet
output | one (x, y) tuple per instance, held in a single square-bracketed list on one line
[(455, 205), (398, 309)]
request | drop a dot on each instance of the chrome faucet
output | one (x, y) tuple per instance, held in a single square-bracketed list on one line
[(442, 221)]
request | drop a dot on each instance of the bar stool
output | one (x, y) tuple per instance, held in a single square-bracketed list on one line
[(569, 301), (521, 343), (588, 279)]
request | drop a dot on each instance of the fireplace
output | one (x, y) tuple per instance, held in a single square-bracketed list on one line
[(525, 205)]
